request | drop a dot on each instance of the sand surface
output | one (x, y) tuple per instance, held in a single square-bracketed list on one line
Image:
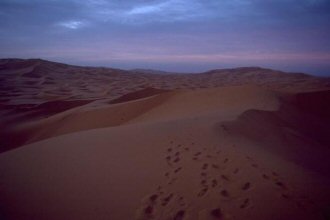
[(98, 143)]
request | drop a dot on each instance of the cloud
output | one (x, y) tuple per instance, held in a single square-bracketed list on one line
[(148, 12), (72, 24), (147, 9)]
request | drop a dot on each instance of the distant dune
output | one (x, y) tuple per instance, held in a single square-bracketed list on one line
[(102, 143)]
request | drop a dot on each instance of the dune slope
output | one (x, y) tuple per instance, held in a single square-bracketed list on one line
[(177, 155)]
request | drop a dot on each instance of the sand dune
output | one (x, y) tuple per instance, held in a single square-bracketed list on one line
[(234, 144), (298, 130), (163, 107)]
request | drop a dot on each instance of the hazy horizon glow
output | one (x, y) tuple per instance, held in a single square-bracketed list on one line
[(171, 35)]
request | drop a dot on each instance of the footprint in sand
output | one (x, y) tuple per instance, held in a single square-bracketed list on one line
[(285, 196), (214, 183), (281, 184), (226, 160), (246, 186), (148, 211), (225, 177), (245, 203), (205, 166), (172, 181), (215, 166), (181, 201), (179, 215), (202, 192), (216, 213), (249, 158), (224, 193), (178, 169), (153, 198), (266, 177), (255, 165), (167, 199), (224, 128), (198, 153), (203, 183), (274, 173)]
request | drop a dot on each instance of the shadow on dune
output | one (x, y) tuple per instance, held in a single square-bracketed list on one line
[(298, 131), (111, 115), (34, 111), (11, 139)]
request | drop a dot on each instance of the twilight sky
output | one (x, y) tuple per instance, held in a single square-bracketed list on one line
[(172, 35)]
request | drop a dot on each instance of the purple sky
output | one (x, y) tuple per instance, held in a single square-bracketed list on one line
[(172, 35)]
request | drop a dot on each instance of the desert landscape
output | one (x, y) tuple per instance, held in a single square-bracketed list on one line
[(102, 143)]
